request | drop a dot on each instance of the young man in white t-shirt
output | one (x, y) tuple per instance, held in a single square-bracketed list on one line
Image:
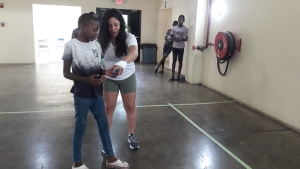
[(180, 34), (83, 54)]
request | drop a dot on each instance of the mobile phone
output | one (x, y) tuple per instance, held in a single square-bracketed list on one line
[(116, 72)]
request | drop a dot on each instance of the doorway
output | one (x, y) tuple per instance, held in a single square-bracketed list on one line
[(53, 27), (133, 23), (164, 24)]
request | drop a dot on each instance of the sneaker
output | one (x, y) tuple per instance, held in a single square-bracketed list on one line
[(172, 79), (133, 142), (180, 79), (81, 167), (117, 164), (161, 72)]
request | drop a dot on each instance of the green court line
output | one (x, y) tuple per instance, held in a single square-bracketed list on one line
[(164, 105), (39, 111), (211, 138), (188, 104), (192, 104), (142, 106)]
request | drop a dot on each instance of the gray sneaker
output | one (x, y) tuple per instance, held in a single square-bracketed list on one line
[(133, 142)]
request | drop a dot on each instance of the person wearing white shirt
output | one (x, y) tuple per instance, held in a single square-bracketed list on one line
[(119, 50)]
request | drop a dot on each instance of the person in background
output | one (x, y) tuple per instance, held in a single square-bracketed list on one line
[(168, 46), (179, 34)]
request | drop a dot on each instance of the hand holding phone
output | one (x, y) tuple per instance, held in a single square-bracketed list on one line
[(116, 72)]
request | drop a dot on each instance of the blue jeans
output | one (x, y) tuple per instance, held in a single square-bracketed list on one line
[(82, 107)]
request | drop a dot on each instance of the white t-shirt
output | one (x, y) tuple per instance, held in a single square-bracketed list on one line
[(110, 58), (179, 32)]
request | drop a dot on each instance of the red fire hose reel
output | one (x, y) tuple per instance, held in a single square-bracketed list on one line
[(224, 46)]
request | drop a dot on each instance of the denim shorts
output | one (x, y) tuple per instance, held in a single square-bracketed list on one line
[(178, 53), (167, 50)]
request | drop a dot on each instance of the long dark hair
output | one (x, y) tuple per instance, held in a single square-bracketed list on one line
[(105, 36)]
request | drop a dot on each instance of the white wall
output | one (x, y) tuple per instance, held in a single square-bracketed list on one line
[(164, 23), (265, 74), (17, 40)]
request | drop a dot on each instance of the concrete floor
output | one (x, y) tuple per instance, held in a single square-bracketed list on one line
[(37, 120)]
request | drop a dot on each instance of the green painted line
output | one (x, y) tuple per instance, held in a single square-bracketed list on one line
[(211, 138), (192, 104), (141, 106), (41, 111), (187, 104), (165, 105)]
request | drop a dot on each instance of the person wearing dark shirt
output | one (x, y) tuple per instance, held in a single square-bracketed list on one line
[(168, 46)]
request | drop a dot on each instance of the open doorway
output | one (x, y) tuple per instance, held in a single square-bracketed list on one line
[(133, 23), (53, 26)]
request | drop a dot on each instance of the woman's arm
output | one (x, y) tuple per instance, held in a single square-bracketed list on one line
[(132, 54), (130, 57)]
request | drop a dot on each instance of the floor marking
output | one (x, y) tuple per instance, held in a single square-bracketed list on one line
[(39, 111), (192, 104), (211, 138), (141, 106), (165, 105)]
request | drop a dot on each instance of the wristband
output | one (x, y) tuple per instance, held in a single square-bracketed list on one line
[(122, 64)]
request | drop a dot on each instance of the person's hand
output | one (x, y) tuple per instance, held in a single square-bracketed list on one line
[(104, 77), (94, 79), (177, 39), (108, 73), (114, 68)]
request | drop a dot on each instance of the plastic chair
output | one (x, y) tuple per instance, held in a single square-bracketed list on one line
[(43, 43)]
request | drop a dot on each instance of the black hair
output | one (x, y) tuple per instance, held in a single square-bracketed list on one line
[(85, 19), (104, 36), (181, 16), (175, 23), (92, 13)]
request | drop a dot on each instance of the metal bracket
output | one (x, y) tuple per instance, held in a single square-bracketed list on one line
[(239, 45)]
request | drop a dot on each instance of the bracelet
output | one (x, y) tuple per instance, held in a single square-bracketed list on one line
[(122, 64)]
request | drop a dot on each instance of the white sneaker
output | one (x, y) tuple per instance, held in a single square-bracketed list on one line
[(81, 167), (117, 164), (102, 150)]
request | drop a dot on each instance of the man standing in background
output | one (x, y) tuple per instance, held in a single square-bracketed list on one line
[(179, 34)]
